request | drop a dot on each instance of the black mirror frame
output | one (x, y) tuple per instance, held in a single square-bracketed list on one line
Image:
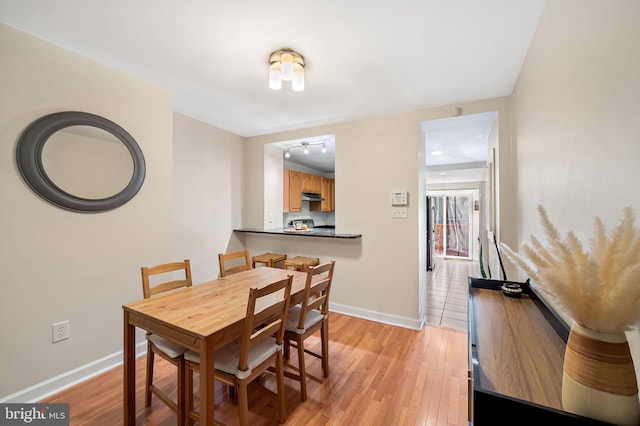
[(29, 161)]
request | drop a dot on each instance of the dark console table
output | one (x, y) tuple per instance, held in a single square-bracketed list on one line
[(516, 351)]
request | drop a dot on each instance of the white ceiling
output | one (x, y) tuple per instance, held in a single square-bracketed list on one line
[(315, 158), (363, 58), (456, 147)]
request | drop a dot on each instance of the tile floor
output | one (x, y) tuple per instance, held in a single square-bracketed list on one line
[(447, 292)]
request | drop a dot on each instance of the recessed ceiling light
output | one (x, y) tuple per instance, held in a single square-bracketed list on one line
[(436, 153), (442, 173)]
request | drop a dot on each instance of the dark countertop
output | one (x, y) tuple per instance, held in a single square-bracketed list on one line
[(314, 232)]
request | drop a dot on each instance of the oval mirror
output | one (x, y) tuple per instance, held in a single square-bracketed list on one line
[(80, 161)]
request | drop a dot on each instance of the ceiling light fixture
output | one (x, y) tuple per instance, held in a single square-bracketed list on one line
[(286, 65), (305, 145)]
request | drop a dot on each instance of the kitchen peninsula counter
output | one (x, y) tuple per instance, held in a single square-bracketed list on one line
[(313, 232)]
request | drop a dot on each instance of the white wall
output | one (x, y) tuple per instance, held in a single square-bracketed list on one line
[(576, 107), (207, 194), (58, 265), (273, 187)]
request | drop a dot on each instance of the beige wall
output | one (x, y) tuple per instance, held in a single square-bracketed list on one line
[(576, 107), (58, 265), (207, 194)]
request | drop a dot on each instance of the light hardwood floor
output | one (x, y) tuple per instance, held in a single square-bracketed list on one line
[(379, 375)]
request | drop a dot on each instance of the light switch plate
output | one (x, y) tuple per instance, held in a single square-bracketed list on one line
[(399, 212)]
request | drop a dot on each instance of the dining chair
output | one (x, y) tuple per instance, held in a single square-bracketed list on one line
[(157, 345), (306, 318), (244, 359), (233, 262)]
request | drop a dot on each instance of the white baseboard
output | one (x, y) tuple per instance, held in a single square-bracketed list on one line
[(376, 316), (51, 386)]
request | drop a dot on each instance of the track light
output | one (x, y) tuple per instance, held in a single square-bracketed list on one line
[(306, 148)]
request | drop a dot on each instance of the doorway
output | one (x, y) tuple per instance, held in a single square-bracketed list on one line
[(454, 224), (457, 157)]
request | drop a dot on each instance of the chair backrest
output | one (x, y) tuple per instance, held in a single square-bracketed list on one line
[(272, 303), (149, 289), (233, 262), (316, 290)]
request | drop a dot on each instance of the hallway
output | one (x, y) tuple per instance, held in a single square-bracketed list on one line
[(447, 292)]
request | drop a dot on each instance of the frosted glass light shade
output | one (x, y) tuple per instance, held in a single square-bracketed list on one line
[(298, 78), (286, 60), (275, 79), (286, 65)]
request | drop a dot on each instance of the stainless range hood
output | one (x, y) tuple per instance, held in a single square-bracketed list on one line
[(310, 196)]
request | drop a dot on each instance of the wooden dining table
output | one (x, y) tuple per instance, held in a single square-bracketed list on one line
[(202, 317)]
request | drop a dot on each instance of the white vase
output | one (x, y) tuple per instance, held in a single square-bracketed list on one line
[(599, 380)]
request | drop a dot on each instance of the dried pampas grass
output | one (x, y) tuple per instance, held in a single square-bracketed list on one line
[(599, 289)]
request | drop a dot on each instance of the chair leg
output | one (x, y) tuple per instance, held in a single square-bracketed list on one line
[(188, 394), (301, 369), (287, 348), (149, 377), (280, 384), (181, 391), (243, 403), (324, 337)]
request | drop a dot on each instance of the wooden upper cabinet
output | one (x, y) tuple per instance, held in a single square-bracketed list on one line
[(316, 185), (327, 193), (311, 183), (295, 183), (332, 192), (292, 193)]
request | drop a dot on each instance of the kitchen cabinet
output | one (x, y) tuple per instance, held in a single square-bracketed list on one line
[(295, 183), (292, 192), (332, 193), (326, 191), (311, 183)]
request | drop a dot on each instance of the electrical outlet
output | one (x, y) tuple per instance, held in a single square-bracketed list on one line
[(60, 331)]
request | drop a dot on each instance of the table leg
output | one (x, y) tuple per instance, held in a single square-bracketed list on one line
[(129, 368), (207, 377)]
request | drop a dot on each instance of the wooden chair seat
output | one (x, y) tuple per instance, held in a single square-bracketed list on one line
[(301, 263)]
